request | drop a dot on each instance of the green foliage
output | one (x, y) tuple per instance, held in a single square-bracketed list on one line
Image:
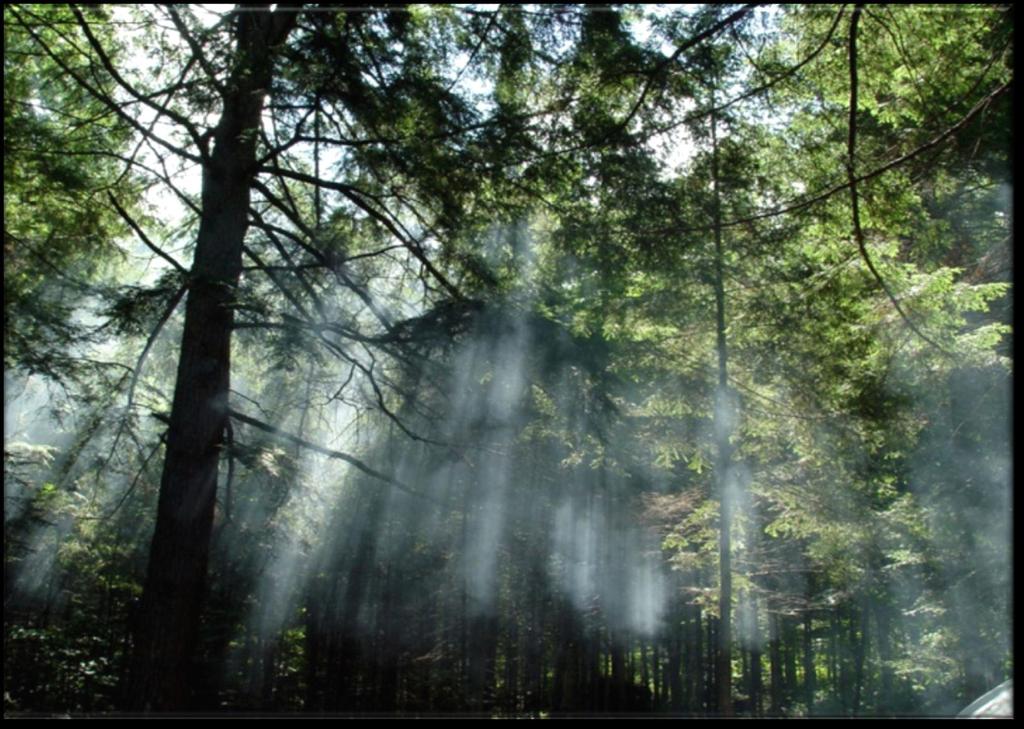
[(60, 149), (515, 150)]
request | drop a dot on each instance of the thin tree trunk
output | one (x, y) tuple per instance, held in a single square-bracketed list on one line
[(883, 638), (512, 665), (657, 675), (533, 649), (756, 703), (861, 651), (775, 651), (313, 644), (617, 700), (710, 695), (846, 639), (789, 650), (809, 678), (673, 669), (723, 672), (694, 668)]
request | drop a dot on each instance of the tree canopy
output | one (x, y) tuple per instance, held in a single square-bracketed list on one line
[(510, 360)]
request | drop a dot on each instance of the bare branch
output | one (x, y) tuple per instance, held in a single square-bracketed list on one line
[(172, 304), (272, 275), (337, 267)]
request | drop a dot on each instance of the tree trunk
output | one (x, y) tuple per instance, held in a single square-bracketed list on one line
[(883, 638), (314, 638), (775, 653), (532, 648), (723, 668), (673, 669), (809, 682), (846, 643), (710, 695), (656, 675), (788, 630), (617, 685), (756, 705), (564, 690), (512, 665), (176, 575), (861, 651)]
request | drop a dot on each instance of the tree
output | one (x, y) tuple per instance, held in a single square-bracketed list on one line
[(178, 557)]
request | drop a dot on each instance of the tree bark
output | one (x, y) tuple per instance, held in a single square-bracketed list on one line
[(756, 699), (809, 677), (775, 654), (723, 668), (175, 580), (861, 648), (673, 668), (883, 637)]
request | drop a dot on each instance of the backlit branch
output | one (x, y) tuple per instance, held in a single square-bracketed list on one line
[(142, 234), (361, 199), (96, 93), (851, 145), (108, 66), (302, 442), (660, 68)]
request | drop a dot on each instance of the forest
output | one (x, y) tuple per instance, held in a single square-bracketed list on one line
[(507, 360)]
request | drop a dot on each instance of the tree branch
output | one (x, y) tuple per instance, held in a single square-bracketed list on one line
[(291, 438), (695, 40), (197, 50), (142, 234), (851, 145), (171, 306), (108, 65), (356, 196), (335, 266), (107, 101)]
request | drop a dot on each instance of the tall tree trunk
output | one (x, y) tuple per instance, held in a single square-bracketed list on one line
[(656, 676), (566, 678), (673, 668), (694, 664), (846, 642), (833, 653), (809, 678), (723, 672), (710, 695), (775, 652), (617, 685), (756, 703), (176, 575), (314, 639), (883, 638), (532, 648), (860, 654), (512, 665), (345, 665), (788, 631)]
